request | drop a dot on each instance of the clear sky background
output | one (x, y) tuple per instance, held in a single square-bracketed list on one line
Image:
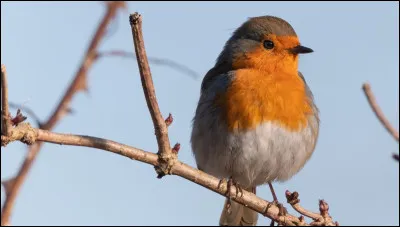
[(42, 45)]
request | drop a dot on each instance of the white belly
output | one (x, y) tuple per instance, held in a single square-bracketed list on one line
[(252, 158)]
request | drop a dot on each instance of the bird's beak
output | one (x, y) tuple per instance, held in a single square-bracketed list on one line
[(300, 50)]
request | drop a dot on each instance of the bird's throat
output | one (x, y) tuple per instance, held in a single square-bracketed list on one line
[(255, 97)]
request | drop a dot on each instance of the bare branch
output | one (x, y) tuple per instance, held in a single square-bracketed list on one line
[(174, 65), (166, 156), (378, 112), (5, 113), (26, 134), (79, 83), (152, 60), (294, 201), (321, 219), (8, 185)]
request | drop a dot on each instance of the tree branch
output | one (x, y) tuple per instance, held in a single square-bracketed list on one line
[(5, 112), (26, 134), (157, 61), (378, 112), (294, 201), (321, 219), (165, 154), (79, 83)]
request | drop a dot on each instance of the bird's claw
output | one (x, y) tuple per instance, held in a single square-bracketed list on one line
[(282, 210), (229, 185), (228, 193)]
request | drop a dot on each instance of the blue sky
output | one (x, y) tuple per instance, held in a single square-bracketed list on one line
[(42, 45)]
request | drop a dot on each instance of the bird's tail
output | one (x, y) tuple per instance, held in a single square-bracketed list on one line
[(239, 215)]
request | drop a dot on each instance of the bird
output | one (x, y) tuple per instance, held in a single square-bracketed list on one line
[(256, 121)]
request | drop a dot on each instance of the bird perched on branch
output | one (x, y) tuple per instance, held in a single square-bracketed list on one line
[(256, 121)]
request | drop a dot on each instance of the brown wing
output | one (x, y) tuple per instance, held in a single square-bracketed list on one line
[(313, 119), (213, 73)]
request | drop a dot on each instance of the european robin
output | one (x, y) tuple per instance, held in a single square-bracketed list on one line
[(256, 121)]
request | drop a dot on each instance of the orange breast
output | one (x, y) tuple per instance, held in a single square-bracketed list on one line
[(255, 97)]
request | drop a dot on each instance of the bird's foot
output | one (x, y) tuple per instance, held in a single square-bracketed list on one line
[(282, 210), (228, 192)]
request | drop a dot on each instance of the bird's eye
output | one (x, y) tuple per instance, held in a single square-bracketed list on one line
[(268, 44)]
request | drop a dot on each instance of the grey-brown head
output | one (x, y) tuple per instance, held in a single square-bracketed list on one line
[(268, 35)]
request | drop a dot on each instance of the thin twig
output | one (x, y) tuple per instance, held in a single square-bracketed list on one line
[(5, 112), (174, 65), (80, 81), (166, 156), (323, 218), (26, 134), (78, 84), (152, 60), (294, 201), (378, 112)]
